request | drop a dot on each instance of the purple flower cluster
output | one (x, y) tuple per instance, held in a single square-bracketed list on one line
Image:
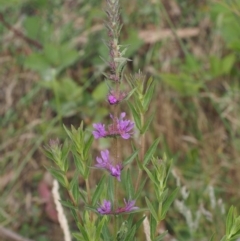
[(105, 163), (114, 99), (106, 207), (120, 127)]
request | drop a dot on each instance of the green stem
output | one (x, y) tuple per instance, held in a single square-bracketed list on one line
[(116, 161), (89, 195), (74, 202), (142, 152), (88, 191)]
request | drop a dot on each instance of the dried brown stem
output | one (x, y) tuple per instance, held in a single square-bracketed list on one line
[(20, 34)]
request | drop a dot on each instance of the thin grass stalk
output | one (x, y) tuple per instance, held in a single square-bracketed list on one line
[(61, 216)]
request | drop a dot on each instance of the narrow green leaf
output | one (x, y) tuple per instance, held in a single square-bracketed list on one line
[(100, 227), (78, 236), (147, 124), (130, 93), (135, 149), (58, 175), (68, 132), (106, 234), (68, 204), (168, 168), (87, 171), (151, 176), (139, 191), (230, 220), (149, 83), (111, 189), (130, 220), (74, 180), (129, 186), (74, 187), (138, 104), (224, 238), (163, 195), (65, 151), (139, 210), (153, 227), (168, 202), (151, 151), (212, 237), (91, 208), (83, 232), (136, 116), (79, 163), (148, 96), (235, 237), (87, 146), (83, 195), (131, 234), (98, 191), (130, 81), (48, 153), (151, 208), (161, 236), (130, 158), (74, 214)]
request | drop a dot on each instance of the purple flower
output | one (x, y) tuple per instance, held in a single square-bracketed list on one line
[(99, 131), (114, 98), (120, 127), (116, 171), (105, 208), (105, 163), (129, 206), (124, 126)]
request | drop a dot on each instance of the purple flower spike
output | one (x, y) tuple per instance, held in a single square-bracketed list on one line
[(125, 126), (105, 208), (99, 131), (129, 206)]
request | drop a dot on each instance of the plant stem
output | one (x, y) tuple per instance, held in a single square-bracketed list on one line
[(142, 152), (89, 195), (73, 201), (116, 161), (88, 191)]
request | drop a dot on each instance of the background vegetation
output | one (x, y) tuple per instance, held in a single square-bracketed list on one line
[(51, 73)]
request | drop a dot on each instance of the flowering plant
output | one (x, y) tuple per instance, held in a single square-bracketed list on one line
[(103, 216), (97, 211)]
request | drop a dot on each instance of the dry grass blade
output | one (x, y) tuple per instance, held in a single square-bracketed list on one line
[(10, 235), (153, 36)]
